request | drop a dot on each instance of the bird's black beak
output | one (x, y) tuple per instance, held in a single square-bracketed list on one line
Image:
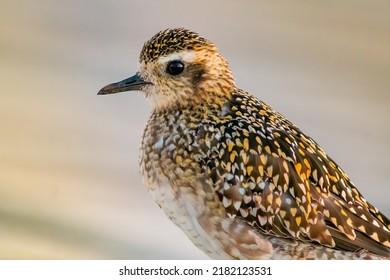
[(133, 83)]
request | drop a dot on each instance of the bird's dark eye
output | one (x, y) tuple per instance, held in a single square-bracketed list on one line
[(175, 67)]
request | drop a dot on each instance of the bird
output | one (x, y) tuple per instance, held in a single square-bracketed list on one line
[(237, 177)]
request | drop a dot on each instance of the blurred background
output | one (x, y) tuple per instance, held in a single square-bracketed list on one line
[(69, 181)]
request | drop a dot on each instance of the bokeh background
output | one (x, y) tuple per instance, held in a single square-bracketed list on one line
[(69, 181)]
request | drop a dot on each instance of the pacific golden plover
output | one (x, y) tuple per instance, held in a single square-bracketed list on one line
[(236, 176)]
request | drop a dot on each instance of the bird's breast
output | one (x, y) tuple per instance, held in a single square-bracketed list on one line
[(169, 150)]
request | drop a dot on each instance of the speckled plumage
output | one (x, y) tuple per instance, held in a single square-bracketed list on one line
[(166, 42), (237, 177)]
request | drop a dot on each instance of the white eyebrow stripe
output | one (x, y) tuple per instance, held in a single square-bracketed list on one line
[(186, 56)]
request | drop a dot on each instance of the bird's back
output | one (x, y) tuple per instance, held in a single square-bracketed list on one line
[(267, 171)]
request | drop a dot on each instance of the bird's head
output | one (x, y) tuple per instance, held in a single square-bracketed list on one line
[(178, 68)]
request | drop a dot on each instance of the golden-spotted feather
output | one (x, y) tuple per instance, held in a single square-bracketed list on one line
[(282, 182)]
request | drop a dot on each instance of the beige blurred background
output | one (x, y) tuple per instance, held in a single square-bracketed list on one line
[(69, 181)]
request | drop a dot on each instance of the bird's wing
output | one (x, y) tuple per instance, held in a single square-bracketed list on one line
[(282, 182)]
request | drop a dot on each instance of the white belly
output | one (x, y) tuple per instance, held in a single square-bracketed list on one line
[(184, 209)]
